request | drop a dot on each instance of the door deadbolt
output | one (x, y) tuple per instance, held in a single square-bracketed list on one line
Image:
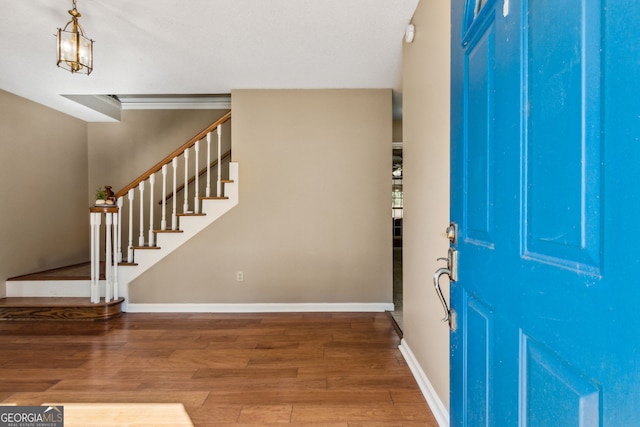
[(452, 233)]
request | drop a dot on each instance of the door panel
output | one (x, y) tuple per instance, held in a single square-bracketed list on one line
[(479, 124), (562, 141), (479, 336), (551, 386), (545, 180)]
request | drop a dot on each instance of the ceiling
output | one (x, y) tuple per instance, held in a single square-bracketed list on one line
[(199, 47)]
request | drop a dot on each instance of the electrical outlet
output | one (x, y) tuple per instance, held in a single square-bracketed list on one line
[(240, 276)]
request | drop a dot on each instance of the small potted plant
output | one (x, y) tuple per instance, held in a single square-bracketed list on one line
[(101, 196)]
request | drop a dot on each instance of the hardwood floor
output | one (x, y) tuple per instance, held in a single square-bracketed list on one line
[(317, 369)]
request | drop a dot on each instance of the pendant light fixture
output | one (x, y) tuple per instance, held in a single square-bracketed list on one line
[(75, 50)]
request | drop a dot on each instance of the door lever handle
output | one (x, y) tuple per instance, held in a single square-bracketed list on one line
[(436, 283), (450, 270)]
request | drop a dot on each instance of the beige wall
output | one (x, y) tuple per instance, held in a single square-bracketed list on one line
[(313, 224), (426, 188), (43, 169)]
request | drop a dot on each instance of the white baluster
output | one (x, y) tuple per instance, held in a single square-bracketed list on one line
[(141, 236), (152, 181), (108, 262), (196, 204), (174, 218), (120, 202), (219, 186), (185, 206), (130, 250), (208, 193), (163, 222), (95, 219), (116, 226), (96, 289)]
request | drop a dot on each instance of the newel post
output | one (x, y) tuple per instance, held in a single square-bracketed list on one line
[(110, 212)]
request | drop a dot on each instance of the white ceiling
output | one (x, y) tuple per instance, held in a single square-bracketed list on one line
[(151, 47)]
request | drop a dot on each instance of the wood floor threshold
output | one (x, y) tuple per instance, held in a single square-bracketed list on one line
[(395, 325), (58, 308)]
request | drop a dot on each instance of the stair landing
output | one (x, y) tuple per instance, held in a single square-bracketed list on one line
[(58, 308)]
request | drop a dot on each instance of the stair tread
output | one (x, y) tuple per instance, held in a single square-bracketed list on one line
[(168, 231), (80, 271), (213, 198), (191, 214), (146, 247)]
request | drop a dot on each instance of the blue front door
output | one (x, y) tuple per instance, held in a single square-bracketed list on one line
[(545, 172)]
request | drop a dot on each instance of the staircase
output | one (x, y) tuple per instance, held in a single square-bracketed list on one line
[(67, 293)]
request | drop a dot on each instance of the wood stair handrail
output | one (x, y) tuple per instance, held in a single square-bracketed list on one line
[(175, 153), (193, 178)]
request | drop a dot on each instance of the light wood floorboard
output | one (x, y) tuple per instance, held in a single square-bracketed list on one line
[(324, 369)]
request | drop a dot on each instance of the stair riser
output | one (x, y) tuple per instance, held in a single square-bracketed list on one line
[(51, 288)]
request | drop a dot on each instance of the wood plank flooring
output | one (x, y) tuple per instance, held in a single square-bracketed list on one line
[(316, 369)]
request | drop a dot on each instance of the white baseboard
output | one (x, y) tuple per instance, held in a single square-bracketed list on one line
[(439, 410), (257, 308)]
